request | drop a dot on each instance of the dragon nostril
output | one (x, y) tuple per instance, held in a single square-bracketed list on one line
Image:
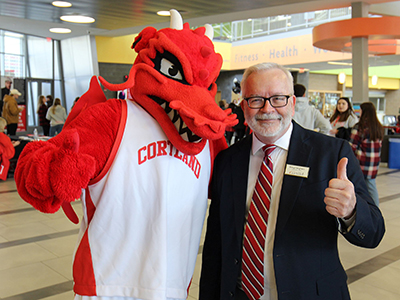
[(203, 74)]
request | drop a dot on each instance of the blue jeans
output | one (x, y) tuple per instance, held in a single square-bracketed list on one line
[(372, 190), (54, 130)]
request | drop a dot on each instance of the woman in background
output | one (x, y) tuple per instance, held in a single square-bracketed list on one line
[(42, 112), (343, 119), (366, 142), (57, 116)]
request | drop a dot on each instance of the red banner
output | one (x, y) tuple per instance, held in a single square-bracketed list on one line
[(22, 119)]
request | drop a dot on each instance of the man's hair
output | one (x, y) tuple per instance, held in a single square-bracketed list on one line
[(265, 67), (299, 90)]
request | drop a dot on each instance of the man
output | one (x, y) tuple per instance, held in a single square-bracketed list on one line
[(11, 111), (311, 201), (5, 91), (307, 115)]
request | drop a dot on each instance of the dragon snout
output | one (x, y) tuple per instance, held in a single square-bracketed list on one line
[(214, 113)]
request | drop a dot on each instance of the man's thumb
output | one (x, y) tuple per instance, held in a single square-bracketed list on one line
[(341, 169)]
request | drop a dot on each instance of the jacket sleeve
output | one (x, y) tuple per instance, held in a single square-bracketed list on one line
[(321, 123), (49, 173), (6, 147), (210, 280), (13, 108), (369, 226)]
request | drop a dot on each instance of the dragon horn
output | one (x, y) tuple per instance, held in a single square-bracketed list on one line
[(176, 20), (209, 31)]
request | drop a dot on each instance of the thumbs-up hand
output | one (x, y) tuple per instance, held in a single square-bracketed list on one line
[(340, 197)]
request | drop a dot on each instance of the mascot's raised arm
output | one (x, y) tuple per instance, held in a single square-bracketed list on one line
[(141, 167)]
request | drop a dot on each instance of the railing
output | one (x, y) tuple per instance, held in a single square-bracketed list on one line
[(253, 28)]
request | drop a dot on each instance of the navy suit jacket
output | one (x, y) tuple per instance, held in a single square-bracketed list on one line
[(305, 253)]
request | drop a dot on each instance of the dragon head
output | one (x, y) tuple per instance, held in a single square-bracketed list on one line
[(173, 79)]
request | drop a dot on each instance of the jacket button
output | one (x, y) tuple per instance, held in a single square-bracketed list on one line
[(236, 261), (231, 294)]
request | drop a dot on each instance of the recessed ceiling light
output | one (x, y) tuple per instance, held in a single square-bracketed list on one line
[(60, 30), (163, 13), (77, 19), (61, 4)]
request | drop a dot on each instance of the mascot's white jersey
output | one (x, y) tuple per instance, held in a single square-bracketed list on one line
[(143, 216)]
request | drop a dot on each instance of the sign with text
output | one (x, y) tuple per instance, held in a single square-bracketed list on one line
[(286, 51)]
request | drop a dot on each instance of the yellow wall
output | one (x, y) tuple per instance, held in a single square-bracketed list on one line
[(115, 49), (383, 83)]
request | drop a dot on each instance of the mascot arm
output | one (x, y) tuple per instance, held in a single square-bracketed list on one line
[(53, 172)]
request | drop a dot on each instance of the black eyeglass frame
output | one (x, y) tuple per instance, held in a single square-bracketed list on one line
[(269, 100)]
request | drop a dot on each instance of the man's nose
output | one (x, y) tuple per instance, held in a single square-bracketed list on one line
[(267, 107)]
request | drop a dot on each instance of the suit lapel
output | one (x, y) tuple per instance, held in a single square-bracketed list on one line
[(298, 154), (239, 176)]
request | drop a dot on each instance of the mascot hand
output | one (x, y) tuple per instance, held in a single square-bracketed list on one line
[(70, 171), (51, 173)]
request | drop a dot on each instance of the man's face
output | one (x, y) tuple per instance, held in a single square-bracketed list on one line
[(8, 84), (268, 123)]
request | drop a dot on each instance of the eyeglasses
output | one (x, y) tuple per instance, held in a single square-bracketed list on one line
[(276, 101)]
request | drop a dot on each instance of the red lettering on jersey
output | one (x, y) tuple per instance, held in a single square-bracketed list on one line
[(192, 161), (161, 145), (197, 169), (159, 148), (140, 159), (151, 151), (171, 148), (177, 154)]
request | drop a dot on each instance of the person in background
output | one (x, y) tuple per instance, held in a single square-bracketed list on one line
[(229, 131), (57, 116), (240, 128), (49, 100), (307, 115), (397, 129), (7, 150), (222, 104), (343, 119), (366, 142), (76, 100), (42, 112), (11, 111), (317, 190), (5, 91)]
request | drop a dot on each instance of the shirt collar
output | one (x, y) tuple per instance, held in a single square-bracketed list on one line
[(283, 142)]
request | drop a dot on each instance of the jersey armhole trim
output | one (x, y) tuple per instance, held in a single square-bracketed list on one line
[(117, 143)]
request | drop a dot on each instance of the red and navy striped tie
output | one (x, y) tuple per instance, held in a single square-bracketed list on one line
[(256, 228)]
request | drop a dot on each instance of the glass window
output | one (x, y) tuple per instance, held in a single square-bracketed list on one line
[(40, 51)]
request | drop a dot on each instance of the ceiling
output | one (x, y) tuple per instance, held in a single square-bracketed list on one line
[(123, 17)]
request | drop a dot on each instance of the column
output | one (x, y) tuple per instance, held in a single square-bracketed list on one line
[(360, 57)]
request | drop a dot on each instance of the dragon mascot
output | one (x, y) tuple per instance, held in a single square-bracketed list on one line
[(140, 166)]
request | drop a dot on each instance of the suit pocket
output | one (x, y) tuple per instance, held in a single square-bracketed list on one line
[(333, 286)]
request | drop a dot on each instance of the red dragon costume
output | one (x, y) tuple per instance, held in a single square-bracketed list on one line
[(141, 168)]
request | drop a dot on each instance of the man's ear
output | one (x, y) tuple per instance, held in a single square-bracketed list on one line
[(294, 103)]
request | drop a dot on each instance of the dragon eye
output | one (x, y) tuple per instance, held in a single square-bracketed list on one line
[(169, 69)]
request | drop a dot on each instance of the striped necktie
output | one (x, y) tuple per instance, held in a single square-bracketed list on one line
[(256, 228)]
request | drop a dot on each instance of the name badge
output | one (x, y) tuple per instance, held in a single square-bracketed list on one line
[(297, 171)]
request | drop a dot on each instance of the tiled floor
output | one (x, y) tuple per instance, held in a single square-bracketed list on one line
[(36, 250)]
